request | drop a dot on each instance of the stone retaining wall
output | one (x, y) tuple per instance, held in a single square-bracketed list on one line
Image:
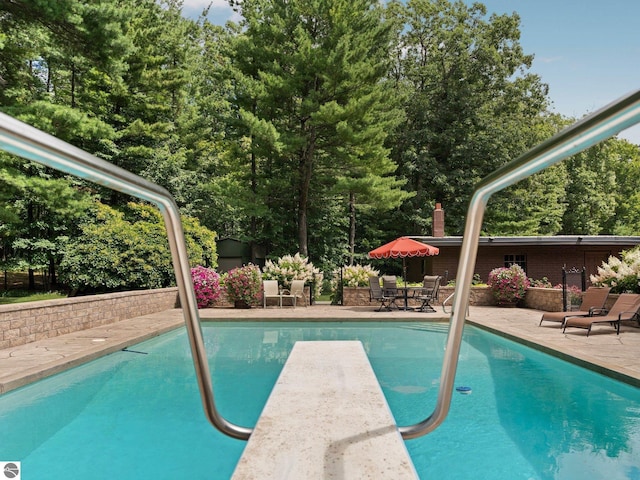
[(359, 296), (546, 299), (22, 323)]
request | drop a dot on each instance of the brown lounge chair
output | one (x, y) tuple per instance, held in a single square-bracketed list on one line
[(625, 308), (592, 304)]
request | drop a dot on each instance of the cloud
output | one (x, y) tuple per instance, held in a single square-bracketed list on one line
[(219, 13), (200, 4)]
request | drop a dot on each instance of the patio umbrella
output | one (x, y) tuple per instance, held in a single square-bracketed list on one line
[(404, 247)]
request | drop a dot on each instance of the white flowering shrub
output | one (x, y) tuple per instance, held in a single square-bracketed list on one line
[(293, 267), (621, 274), (353, 276)]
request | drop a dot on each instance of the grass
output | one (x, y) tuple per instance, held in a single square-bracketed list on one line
[(21, 296)]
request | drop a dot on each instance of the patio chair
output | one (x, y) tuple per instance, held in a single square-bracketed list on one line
[(428, 293), (592, 304), (377, 293), (297, 291), (270, 289), (390, 289), (625, 308)]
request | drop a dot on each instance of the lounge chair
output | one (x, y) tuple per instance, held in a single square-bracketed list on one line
[(270, 289), (428, 293), (592, 304), (297, 291), (625, 308), (376, 293)]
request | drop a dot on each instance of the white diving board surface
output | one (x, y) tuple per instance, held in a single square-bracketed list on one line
[(326, 418)]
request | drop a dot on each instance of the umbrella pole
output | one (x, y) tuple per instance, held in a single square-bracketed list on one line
[(404, 271)]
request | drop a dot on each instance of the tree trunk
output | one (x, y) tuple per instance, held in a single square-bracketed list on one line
[(305, 169), (32, 280), (352, 226)]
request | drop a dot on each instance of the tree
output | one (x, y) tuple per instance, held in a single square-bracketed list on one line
[(535, 205), (41, 213), (591, 191), (314, 103), (469, 103), (624, 159)]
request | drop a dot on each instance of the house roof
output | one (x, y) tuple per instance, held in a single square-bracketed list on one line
[(557, 240)]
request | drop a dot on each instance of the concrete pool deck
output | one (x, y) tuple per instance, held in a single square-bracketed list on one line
[(604, 351)]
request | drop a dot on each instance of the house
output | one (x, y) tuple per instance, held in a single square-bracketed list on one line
[(541, 256)]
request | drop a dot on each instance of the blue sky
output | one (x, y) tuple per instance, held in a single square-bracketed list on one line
[(587, 51)]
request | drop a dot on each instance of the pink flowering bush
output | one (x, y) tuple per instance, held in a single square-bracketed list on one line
[(244, 283), (508, 285), (206, 283)]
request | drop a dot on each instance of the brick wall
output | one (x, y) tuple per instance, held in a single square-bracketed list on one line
[(27, 322)]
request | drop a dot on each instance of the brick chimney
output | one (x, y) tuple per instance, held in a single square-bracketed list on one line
[(438, 221)]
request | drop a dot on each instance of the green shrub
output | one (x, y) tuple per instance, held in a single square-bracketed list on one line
[(127, 250)]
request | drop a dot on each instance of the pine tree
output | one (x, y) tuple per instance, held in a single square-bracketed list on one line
[(314, 102)]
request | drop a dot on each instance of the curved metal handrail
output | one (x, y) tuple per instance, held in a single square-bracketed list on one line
[(28, 142), (446, 300), (606, 122)]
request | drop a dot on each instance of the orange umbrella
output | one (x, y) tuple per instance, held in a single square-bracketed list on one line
[(404, 247)]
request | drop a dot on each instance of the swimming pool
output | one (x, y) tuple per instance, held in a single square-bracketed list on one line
[(137, 414)]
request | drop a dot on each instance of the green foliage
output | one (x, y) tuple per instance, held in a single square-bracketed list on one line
[(23, 296), (126, 250), (541, 283), (591, 187)]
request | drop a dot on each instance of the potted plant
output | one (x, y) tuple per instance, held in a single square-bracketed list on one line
[(244, 285), (508, 285), (206, 284)]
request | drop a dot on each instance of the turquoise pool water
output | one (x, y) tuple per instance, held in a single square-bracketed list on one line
[(138, 415)]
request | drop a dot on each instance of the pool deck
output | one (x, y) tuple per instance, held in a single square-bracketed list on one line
[(604, 351)]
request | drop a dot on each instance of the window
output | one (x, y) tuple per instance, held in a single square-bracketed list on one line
[(516, 260)]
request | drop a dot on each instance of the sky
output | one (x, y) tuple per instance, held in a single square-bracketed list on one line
[(587, 51)]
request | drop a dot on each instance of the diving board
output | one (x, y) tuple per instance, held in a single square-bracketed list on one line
[(326, 418)]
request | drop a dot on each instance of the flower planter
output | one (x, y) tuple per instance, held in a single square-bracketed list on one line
[(241, 304)]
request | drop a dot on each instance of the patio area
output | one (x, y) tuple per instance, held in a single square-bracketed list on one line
[(602, 351)]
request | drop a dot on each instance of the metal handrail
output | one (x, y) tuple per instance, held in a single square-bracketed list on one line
[(606, 122), (446, 300), (30, 143)]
